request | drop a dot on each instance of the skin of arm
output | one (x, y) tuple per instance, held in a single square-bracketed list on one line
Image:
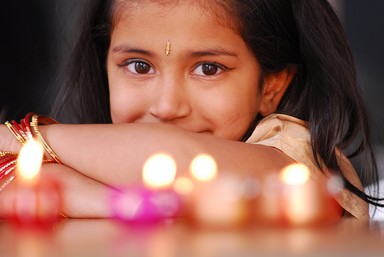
[(7, 141), (82, 197), (114, 154)]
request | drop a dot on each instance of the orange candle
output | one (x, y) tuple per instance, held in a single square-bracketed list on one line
[(218, 200), (294, 198), (305, 201)]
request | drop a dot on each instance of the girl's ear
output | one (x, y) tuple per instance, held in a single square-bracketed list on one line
[(274, 87)]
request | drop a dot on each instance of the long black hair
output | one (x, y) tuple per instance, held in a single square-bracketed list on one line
[(281, 33)]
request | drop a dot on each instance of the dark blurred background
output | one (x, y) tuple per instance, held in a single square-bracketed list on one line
[(37, 34)]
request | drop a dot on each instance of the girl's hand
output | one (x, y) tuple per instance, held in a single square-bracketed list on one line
[(82, 197), (7, 140)]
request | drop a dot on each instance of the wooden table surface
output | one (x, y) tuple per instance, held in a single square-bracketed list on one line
[(87, 237)]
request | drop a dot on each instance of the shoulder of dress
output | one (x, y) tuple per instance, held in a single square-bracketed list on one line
[(283, 118)]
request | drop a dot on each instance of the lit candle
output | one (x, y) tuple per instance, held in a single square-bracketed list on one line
[(218, 200), (154, 200), (36, 201), (305, 201), (266, 204)]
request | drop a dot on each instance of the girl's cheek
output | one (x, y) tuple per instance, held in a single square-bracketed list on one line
[(127, 113)]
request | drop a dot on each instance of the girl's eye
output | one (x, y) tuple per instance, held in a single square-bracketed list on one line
[(209, 69), (139, 67)]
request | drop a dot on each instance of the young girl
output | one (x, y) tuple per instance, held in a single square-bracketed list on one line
[(256, 84)]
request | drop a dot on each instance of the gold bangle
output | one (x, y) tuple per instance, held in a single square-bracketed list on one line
[(6, 153), (7, 168), (35, 125), (7, 182), (16, 133)]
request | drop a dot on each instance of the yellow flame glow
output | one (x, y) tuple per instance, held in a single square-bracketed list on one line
[(183, 186), (30, 159), (203, 167), (295, 174), (159, 171)]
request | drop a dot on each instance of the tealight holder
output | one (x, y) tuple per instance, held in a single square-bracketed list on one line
[(220, 203), (33, 201), (294, 198), (139, 204), (37, 204)]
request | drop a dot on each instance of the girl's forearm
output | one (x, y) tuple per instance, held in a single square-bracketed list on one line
[(115, 153)]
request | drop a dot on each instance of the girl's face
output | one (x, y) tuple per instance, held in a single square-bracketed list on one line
[(180, 65)]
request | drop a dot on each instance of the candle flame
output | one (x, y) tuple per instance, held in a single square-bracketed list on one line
[(159, 171), (29, 159), (203, 167), (295, 174)]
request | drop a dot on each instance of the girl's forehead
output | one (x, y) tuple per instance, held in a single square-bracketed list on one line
[(222, 10)]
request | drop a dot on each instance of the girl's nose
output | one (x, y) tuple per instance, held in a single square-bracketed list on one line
[(170, 101)]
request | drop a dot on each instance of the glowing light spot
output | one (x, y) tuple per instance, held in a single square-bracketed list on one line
[(203, 167), (295, 174), (335, 184), (159, 171), (29, 159), (183, 186)]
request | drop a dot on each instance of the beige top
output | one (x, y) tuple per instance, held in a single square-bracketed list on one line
[(291, 136)]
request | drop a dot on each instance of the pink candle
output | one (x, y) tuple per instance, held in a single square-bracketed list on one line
[(155, 199), (139, 204)]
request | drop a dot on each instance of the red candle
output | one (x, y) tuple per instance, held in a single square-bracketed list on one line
[(35, 201)]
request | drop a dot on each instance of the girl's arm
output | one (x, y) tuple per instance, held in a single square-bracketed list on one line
[(82, 196), (115, 153)]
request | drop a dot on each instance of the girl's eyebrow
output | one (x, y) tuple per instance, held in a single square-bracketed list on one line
[(213, 52), (123, 48), (128, 49)]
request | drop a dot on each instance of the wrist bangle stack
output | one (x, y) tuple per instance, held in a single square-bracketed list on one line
[(29, 129), (44, 120), (26, 130), (7, 166)]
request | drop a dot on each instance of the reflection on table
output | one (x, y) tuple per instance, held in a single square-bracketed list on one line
[(76, 237)]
